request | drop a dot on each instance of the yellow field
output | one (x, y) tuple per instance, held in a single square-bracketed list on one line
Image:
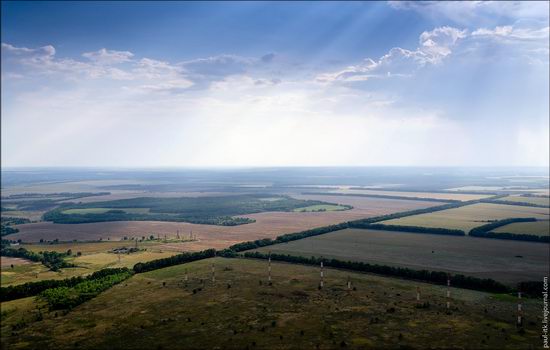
[(470, 216), (539, 228), (95, 256), (532, 200), (450, 196)]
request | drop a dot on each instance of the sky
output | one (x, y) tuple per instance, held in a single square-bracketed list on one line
[(209, 84)]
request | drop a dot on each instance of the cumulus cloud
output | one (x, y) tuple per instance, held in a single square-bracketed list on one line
[(433, 47)]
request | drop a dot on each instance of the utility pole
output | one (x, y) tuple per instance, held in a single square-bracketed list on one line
[(520, 309), (349, 284), (448, 291), (269, 268), (418, 294), (321, 283), (213, 274)]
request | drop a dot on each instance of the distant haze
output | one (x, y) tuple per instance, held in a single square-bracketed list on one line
[(275, 84)]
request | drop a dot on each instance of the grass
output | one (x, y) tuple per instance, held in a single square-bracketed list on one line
[(321, 207), (104, 210), (539, 228), (467, 217), (158, 310), (477, 257)]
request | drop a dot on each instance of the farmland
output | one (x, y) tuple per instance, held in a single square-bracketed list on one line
[(201, 210), (268, 224), (505, 261), (157, 310), (470, 216), (539, 228), (427, 195)]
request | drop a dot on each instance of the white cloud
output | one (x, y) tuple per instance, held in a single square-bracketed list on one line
[(509, 32), (433, 47), (108, 57)]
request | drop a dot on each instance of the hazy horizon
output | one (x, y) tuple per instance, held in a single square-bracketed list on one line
[(249, 85)]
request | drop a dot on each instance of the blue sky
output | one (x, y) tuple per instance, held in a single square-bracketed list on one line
[(274, 83)]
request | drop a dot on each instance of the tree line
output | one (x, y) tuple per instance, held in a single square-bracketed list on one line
[(523, 204), (485, 231)]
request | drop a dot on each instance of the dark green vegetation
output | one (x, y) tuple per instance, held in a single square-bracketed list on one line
[(53, 260), (201, 210), (510, 202), (173, 260), (412, 229), (6, 223), (43, 201), (69, 297), (436, 277), (485, 231), (34, 288)]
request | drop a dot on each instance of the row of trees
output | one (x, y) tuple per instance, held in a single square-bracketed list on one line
[(173, 260), (436, 277), (524, 204), (413, 229), (68, 297), (485, 231), (33, 288)]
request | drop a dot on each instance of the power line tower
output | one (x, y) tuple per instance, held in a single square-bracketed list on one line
[(448, 291), (213, 274), (321, 282), (269, 268), (520, 309)]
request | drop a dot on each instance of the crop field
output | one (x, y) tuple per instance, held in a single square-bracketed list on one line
[(427, 195), (95, 256), (470, 216), (268, 224), (539, 228), (505, 261), (158, 310), (539, 200)]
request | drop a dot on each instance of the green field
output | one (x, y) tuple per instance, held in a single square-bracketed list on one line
[(104, 210), (478, 257), (467, 217), (538, 200), (322, 207), (159, 310), (538, 228)]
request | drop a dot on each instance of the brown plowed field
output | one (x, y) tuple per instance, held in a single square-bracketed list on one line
[(269, 224)]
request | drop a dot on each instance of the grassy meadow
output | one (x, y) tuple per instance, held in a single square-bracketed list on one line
[(159, 309)]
